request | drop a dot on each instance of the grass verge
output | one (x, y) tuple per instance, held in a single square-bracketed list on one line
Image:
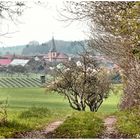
[(128, 123), (80, 125), (9, 128), (35, 118)]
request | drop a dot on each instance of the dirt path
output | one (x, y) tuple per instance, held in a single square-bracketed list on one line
[(39, 134), (110, 131)]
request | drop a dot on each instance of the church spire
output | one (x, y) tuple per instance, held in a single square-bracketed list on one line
[(53, 46)]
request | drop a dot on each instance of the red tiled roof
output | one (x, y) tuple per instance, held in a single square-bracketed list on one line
[(4, 62), (62, 56)]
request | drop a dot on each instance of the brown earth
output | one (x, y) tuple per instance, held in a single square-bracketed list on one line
[(39, 134), (110, 131)]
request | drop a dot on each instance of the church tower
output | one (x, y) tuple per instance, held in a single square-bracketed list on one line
[(53, 51), (53, 55)]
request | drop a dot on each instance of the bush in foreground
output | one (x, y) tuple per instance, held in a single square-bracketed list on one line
[(79, 125), (8, 129), (38, 112)]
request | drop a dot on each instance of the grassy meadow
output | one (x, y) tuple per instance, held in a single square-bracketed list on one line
[(34, 108), (23, 98), (20, 99)]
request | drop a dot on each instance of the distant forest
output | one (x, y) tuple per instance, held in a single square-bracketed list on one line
[(68, 47), (34, 48), (12, 50)]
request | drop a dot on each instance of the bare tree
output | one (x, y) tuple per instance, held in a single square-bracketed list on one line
[(82, 83), (9, 11), (114, 30)]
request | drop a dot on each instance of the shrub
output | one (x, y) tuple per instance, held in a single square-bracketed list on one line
[(38, 112), (83, 84), (8, 129)]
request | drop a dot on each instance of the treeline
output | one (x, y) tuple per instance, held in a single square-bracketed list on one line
[(68, 47), (12, 50)]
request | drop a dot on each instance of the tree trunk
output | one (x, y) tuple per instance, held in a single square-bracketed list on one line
[(131, 97)]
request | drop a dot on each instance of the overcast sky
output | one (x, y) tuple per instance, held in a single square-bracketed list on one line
[(40, 23)]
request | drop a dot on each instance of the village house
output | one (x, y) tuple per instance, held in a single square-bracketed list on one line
[(8, 59)]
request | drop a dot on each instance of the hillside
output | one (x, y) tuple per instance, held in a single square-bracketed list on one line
[(12, 50), (33, 48), (68, 47)]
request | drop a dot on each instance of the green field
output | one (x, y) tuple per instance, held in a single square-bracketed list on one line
[(21, 80), (23, 98), (28, 108)]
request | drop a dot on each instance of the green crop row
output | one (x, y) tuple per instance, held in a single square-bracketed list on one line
[(19, 82)]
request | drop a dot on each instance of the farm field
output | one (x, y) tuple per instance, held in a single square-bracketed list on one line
[(23, 98), (32, 108), (21, 80), (16, 82)]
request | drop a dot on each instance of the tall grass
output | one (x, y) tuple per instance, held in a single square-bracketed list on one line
[(128, 123)]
